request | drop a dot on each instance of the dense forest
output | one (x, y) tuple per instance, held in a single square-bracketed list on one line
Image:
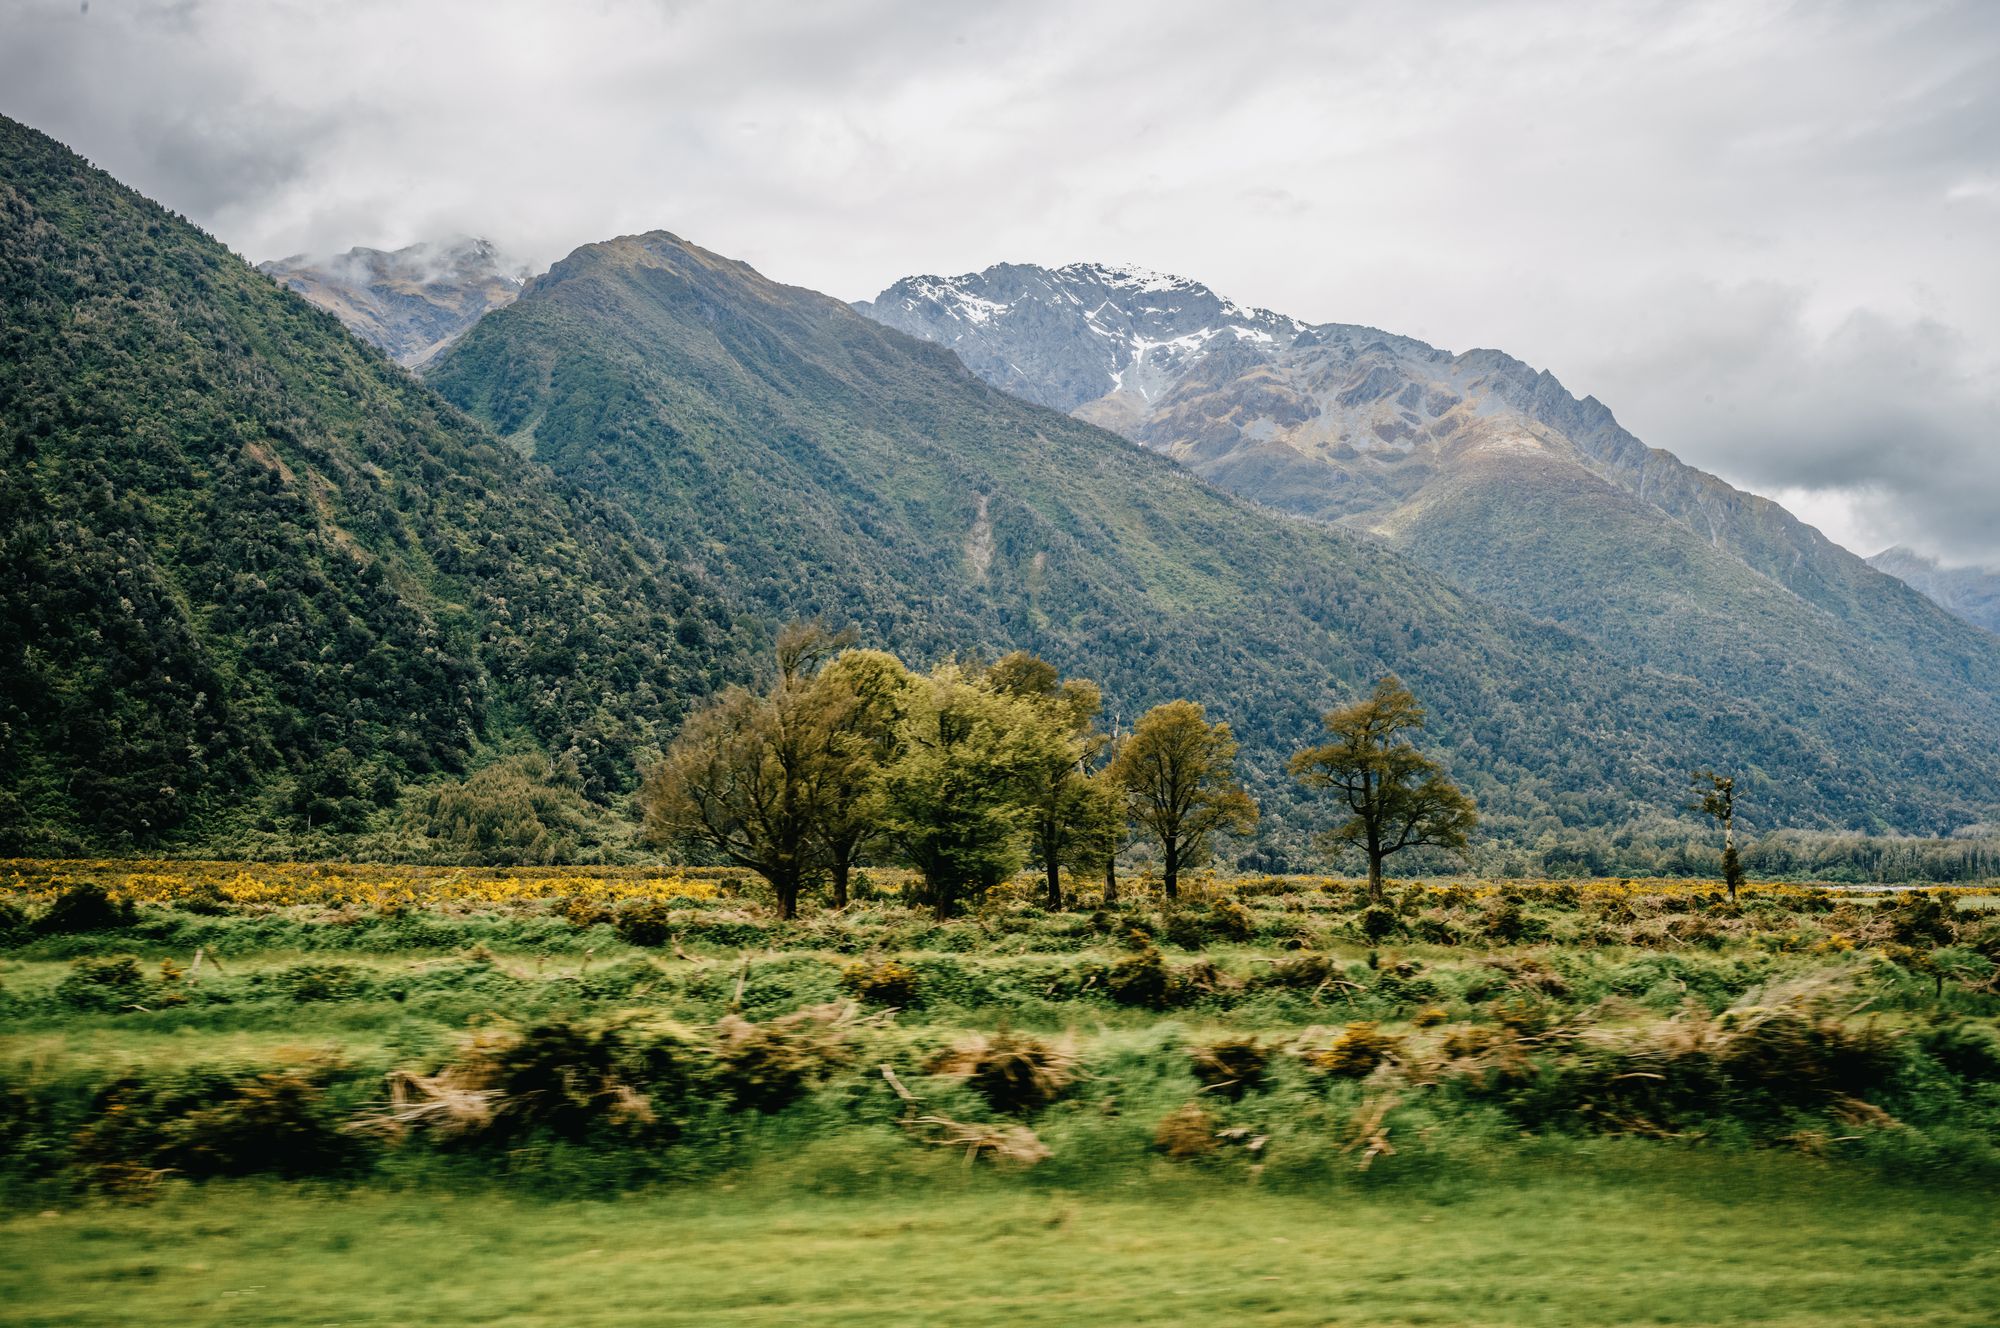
[(254, 580)]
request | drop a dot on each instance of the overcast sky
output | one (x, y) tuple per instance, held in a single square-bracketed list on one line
[(1766, 234)]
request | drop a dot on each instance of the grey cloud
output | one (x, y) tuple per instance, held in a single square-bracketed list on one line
[(1762, 231)]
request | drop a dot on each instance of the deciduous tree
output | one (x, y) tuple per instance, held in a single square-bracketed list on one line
[(1395, 796), (1178, 774)]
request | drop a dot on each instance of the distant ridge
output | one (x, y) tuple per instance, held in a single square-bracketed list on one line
[(1973, 593), (412, 302)]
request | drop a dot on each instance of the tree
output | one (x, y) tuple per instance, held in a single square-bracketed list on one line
[(952, 794), (1063, 810), (747, 776), (1396, 797), (863, 693), (1715, 797), (1178, 774), (1098, 830)]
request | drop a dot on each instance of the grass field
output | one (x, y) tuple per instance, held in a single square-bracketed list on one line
[(1772, 1241), (319, 1094)]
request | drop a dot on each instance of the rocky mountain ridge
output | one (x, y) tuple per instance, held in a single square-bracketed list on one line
[(1973, 593), (411, 302)]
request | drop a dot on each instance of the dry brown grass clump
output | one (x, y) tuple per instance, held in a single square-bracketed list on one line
[(1232, 1066), (1016, 1144), (1187, 1132), (1017, 1073), (768, 1066)]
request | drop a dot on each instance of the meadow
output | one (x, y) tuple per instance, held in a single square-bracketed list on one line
[(630, 1094)]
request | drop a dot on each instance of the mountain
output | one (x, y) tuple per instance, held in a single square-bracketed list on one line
[(1482, 468), (257, 585), (820, 462), (1973, 593), (411, 302)]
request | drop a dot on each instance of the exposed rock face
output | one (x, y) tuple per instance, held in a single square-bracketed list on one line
[(1474, 463), (1973, 593), (411, 302)]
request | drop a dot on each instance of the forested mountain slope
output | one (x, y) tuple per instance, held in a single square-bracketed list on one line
[(820, 462), (1487, 470), (256, 579)]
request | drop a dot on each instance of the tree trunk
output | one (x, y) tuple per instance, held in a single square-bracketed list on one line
[(1171, 878), (788, 897), (1055, 886), (840, 882), (1375, 879), (1732, 869), (1111, 880)]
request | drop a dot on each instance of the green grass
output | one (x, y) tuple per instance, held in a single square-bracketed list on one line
[(1771, 1241)]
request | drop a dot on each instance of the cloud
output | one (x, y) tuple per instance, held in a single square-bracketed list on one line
[(1886, 429), (1765, 208)]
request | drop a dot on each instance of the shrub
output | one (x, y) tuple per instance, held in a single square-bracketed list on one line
[(13, 922), (115, 982), (1231, 921), (276, 1122), (84, 907), (1505, 921), (1140, 979), (1968, 1050), (1378, 924), (646, 922), (1298, 972), (1922, 918), (767, 1067), (889, 982), (306, 983), (279, 1123), (1232, 1066), (1187, 1132), (1016, 1073), (1359, 1049)]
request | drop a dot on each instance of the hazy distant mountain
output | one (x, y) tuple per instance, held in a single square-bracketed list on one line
[(1475, 463), (1973, 593), (411, 302)]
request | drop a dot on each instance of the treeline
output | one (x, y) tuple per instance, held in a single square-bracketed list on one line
[(1668, 848), (971, 771), (967, 773)]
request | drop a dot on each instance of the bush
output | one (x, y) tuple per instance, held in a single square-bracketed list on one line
[(1186, 1133), (1378, 924), (307, 983), (1232, 1067), (1968, 1050), (113, 983), (767, 1067), (1356, 1053), (646, 922), (888, 982), (1016, 1073), (278, 1122), (1140, 979), (85, 907), (13, 922)]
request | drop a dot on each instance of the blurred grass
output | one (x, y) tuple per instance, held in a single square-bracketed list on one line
[(1773, 1241)]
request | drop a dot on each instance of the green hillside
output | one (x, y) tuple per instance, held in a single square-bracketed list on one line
[(255, 580), (818, 462)]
